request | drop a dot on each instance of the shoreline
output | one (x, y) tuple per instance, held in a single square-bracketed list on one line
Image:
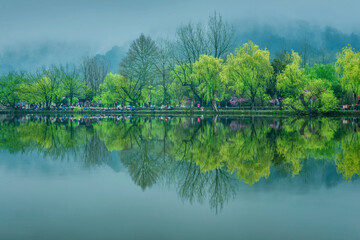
[(188, 112)]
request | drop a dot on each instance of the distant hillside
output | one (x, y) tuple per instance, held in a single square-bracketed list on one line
[(298, 36), (33, 57), (114, 56), (30, 57), (315, 43)]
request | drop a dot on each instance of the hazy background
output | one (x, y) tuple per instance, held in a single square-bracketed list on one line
[(38, 32)]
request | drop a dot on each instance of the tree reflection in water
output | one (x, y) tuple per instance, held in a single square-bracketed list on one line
[(205, 158)]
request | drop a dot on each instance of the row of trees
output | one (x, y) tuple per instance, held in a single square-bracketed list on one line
[(54, 84), (200, 66)]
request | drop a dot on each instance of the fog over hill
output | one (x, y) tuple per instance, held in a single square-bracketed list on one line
[(298, 36), (30, 57), (34, 33)]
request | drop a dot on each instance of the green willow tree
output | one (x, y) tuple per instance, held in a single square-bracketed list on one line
[(39, 91), (207, 70), (302, 93), (348, 65), (112, 90), (44, 87), (248, 71), (291, 82), (10, 88)]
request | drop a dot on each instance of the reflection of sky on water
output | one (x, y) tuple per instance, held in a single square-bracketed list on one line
[(100, 187), (316, 176), (99, 203)]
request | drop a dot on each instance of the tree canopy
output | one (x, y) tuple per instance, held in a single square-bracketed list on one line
[(199, 66)]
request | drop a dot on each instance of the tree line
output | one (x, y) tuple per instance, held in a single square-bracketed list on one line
[(199, 66)]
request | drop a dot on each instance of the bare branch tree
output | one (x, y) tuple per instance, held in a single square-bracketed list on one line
[(163, 67), (133, 89), (139, 64), (94, 72), (220, 36), (216, 39)]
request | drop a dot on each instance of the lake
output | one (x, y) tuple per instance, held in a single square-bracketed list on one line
[(157, 177)]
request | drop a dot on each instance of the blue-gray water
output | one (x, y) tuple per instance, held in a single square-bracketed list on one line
[(70, 177)]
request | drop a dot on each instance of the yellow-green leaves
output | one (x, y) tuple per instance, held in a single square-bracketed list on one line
[(319, 96), (292, 81), (348, 162), (111, 89), (207, 71), (10, 88), (348, 64), (247, 71), (302, 92)]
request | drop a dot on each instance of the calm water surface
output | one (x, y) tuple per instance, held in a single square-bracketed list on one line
[(125, 177)]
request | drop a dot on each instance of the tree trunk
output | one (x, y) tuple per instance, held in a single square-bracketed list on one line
[(215, 92), (196, 94), (355, 97), (252, 98), (214, 125)]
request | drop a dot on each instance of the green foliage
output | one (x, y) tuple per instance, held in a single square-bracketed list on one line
[(348, 162), (207, 70), (249, 155), (278, 66), (307, 92), (319, 96), (140, 69), (202, 158), (322, 71), (328, 102), (10, 88), (291, 82), (328, 73), (162, 75), (178, 94), (41, 90), (348, 65), (72, 87), (111, 90), (248, 71)]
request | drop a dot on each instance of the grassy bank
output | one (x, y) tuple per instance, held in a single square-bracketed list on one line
[(188, 112)]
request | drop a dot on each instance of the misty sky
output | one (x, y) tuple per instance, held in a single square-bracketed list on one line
[(104, 23)]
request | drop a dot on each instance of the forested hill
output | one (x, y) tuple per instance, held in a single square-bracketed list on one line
[(31, 57), (320, 45), (114, 56), (315, 44)]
